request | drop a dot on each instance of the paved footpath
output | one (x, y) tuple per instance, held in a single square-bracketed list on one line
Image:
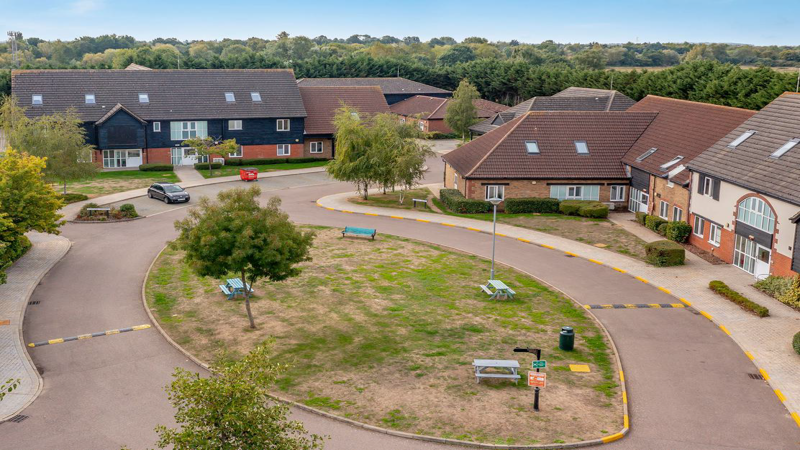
[(766, 341), (23, 277)]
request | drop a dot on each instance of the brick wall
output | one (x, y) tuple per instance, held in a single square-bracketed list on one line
[(674, 196), (726, 241), (270, 151), (327, 148), (538, 188), (438, 125), (449, 173), (157, 156)]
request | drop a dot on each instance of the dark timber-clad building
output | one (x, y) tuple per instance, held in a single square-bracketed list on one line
[(395, 89)]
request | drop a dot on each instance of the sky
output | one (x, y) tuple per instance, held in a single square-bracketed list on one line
[(765, 22)]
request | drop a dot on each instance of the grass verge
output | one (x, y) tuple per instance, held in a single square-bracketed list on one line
[(104, 183), (226, 171)]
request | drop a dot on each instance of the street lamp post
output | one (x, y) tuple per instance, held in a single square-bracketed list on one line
[(494, 202)]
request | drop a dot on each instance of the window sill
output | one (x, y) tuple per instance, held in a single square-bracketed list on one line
[(714, 244), (234, 156)]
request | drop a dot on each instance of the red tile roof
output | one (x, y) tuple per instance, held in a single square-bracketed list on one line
[(501, 153), (682, 128), (434, 108), (321, 103)]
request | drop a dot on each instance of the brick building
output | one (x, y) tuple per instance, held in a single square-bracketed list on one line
[(428, 112)]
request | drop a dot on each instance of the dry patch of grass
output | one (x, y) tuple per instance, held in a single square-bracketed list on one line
[(385, 331), (392, 199), (104, 183)]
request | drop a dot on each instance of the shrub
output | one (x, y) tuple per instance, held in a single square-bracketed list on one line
[(440, 135), (255, 161), (531, 205), (571, 207), (773, 285), (678, 231), (791, 296), (305, 160), (722, 289), (585, 208), (128, 210), (457, 203), (73, 198), (796, 342), (662, 229), (665, 253), (653, 222), (84, 213), (156, 168), (594, 211), (641, 218), (201, 166)]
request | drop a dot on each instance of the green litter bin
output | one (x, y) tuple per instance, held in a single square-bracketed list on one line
[(566, 341)]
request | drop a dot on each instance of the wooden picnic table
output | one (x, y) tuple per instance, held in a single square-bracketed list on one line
[(508, 366), (234, 287), (500, 290)]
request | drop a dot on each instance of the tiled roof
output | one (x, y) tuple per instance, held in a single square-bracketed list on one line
[(389, 85), (322, 102), (433, 108), (749, 164), (174, 94), (570, 99), (682, 128), (501, 153)]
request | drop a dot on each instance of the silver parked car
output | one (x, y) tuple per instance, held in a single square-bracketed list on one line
[(168, 192)]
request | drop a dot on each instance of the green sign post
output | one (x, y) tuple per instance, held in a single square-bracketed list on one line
[(539, 364)]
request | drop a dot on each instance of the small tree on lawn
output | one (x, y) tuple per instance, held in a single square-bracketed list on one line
[(232, 409), (355, 162), (236, 235), (461, 112), (207, 147), (401, 156)]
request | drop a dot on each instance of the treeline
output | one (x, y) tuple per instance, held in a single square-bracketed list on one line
[(510, 82)]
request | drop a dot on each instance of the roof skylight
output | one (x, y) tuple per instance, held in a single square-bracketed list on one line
[(36, 99), (644, 155), (144, 98), (532, 147), (89, 98), (746, 135), (229, 97), (255, 96), (785, 148), (671, 163), (582, 147)]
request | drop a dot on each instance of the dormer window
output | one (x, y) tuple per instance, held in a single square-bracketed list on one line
[(582, 147), (644, 155), (785, 148), (36, 99), (745, 136), (144, 98), (255, 96), (229, 97), (89, 99), (671, 163), (532, 147)]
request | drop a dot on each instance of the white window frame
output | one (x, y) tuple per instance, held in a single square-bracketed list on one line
[(580, 146), (144, 97), (532, 147), (663, 210), (37, 99), (255, 96), (574, 192), (230, 97), (745, 253), (699, 224), (316, 147), (238, 154), (284, 150), (283, 125), (89, 99), (495, 191), (455, 181), (708, 187), (677, 214), (185, 130), (619, 190), (421, 125), (756, 213), (714, 234), (742, 137), (156, 127), (234, 125)]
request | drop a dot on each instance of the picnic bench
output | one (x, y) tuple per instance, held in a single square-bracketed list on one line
[(509, 368), (419, 200), (500, 290), (234, 287), (93, 210), (355, 231)]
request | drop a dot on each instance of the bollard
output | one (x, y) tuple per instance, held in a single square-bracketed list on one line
[(566, 341)]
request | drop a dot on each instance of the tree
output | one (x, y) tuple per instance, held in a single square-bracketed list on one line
[(208, 147), (461, 112), (457, 54), (593, 59), (232, 409), (237, 235)]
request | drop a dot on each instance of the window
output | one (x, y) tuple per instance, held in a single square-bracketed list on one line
[(699, 225), (744, 254), (156, 127), (229, 97), (495, 192), (89, 99), (421, 125), (255, 96), (234, 125), (671, 163), (181, 131), (532, 147), (354, 115), (663, 212), (785, 148), (144, 98), (755, 212), (746, 135), (582, 192), (677, 214), (237, 153), (284, 149), (283, 124), (617, 193), (644, 155), (581, 147), (455, 181), (315, 147), (714, 232), (36, 99), (708, 187)]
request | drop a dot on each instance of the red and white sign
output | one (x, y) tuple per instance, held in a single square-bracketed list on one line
[(537, 379)]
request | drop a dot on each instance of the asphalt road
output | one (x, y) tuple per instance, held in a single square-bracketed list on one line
[(688, 382)]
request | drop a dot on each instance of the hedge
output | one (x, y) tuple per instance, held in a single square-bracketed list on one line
[(73, 197), (128, 210), (440, 135), (585, 208), (594, 211), (796, 342), (722, 289), (641, 218), (665, 253), (156, 168), (662, 228), (678, 231), (531, 205), (268, 161), (201, 166), (457, 203)]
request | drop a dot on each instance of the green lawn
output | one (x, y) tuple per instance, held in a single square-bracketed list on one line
[(392, 199), (385, 332), (226, 171), (104, 183)]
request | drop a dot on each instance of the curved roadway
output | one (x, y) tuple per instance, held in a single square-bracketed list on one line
[(687, 382)]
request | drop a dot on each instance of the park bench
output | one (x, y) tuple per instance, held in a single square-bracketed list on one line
[(355, 231), (105, 210), (419, 200), (510, 367)]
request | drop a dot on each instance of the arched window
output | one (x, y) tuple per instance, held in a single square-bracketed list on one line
[(755, 212)]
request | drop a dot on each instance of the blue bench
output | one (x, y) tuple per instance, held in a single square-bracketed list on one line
[(355, 231), (226, 291)]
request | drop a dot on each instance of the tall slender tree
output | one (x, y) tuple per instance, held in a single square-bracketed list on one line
[(461, 112)]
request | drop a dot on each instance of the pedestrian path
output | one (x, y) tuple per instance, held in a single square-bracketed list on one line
[(23, 277), (188, 174), (766, 341)]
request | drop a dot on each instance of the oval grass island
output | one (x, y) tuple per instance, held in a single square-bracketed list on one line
[(384, 332)]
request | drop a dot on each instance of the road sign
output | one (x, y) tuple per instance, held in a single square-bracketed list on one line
[(540, 364), (537, 379)]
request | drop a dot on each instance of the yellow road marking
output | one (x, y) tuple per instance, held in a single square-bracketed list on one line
[(796, 418), (630, 305), (370, 214), (654, 305), (686, 302), (596, 261), (641, 279), (547, 246), (500, 234), (84, 336), (524, 240), (663, 289), (706, 315), (625, 397), (110, 332), (423, 220), (140, 327), (473, 229), (750, 355), (612, 438), (676, 305), (625, 421), (780, 395), (620, 270), (395, 217), (448, 224), (55, 341), (764, 374), (346, 211), (587, 306), (579, 368), (330, 209), (607, 306), (621, 376), (722, 327), (570, 254)]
